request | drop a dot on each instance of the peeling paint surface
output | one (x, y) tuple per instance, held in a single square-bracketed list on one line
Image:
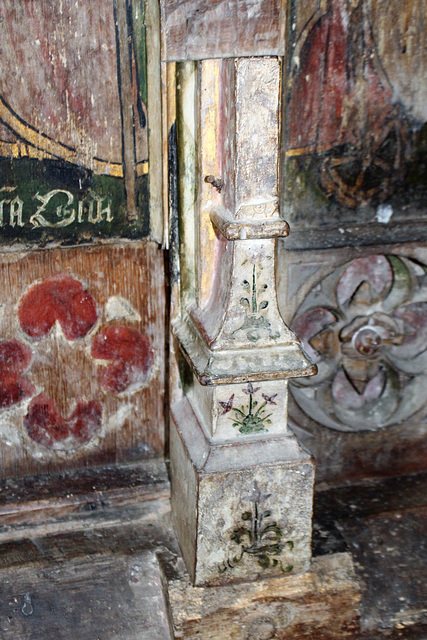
[(74, 153)]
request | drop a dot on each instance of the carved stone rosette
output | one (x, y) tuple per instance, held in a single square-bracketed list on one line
[(241, 483)]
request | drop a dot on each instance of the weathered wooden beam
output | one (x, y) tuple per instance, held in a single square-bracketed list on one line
[(322, 603), (196, 30), (108, 596), (74, 500)]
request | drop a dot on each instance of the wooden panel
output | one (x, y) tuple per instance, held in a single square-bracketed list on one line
[(74, 142), (364, 413), (82, 352), (355, 122), (384, 524), (197, 29)]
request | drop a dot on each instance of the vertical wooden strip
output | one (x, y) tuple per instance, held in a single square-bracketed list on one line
[(168, 124), (171, 189), (227, 133), (171, 167), (210, 168), (154, 102), (126, 105), (187, 166), (165, 173)]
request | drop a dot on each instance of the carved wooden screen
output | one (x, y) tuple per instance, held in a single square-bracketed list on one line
[(354, 191), (81, 307)]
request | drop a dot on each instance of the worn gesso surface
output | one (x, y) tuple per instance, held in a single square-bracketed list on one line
[(82, 357), (229, 297), (242, 509)]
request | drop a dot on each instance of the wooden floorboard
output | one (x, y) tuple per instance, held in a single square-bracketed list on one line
[(108, 572), (383, 524), (106, 596)]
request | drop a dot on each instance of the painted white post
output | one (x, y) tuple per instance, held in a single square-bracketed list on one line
[(242, 485)]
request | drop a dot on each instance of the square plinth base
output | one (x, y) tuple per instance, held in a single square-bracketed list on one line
[(242, 510)]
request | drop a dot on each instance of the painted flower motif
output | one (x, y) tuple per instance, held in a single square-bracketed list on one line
[(227, 406), (252, 418), (366, 328), (270, 399), (58, 299), (125, 353), (250, 389)]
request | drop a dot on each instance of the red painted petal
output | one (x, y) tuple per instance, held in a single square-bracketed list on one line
[(115, 378), (131, 357), (13, 389), (59, 298), (45, 424), (35, 314), (14, 356), (85, 421)]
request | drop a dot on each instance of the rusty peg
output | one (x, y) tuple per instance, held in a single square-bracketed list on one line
[(218, 183)]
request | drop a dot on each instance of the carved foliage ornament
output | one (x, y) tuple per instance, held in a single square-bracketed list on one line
[(365, 326)]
